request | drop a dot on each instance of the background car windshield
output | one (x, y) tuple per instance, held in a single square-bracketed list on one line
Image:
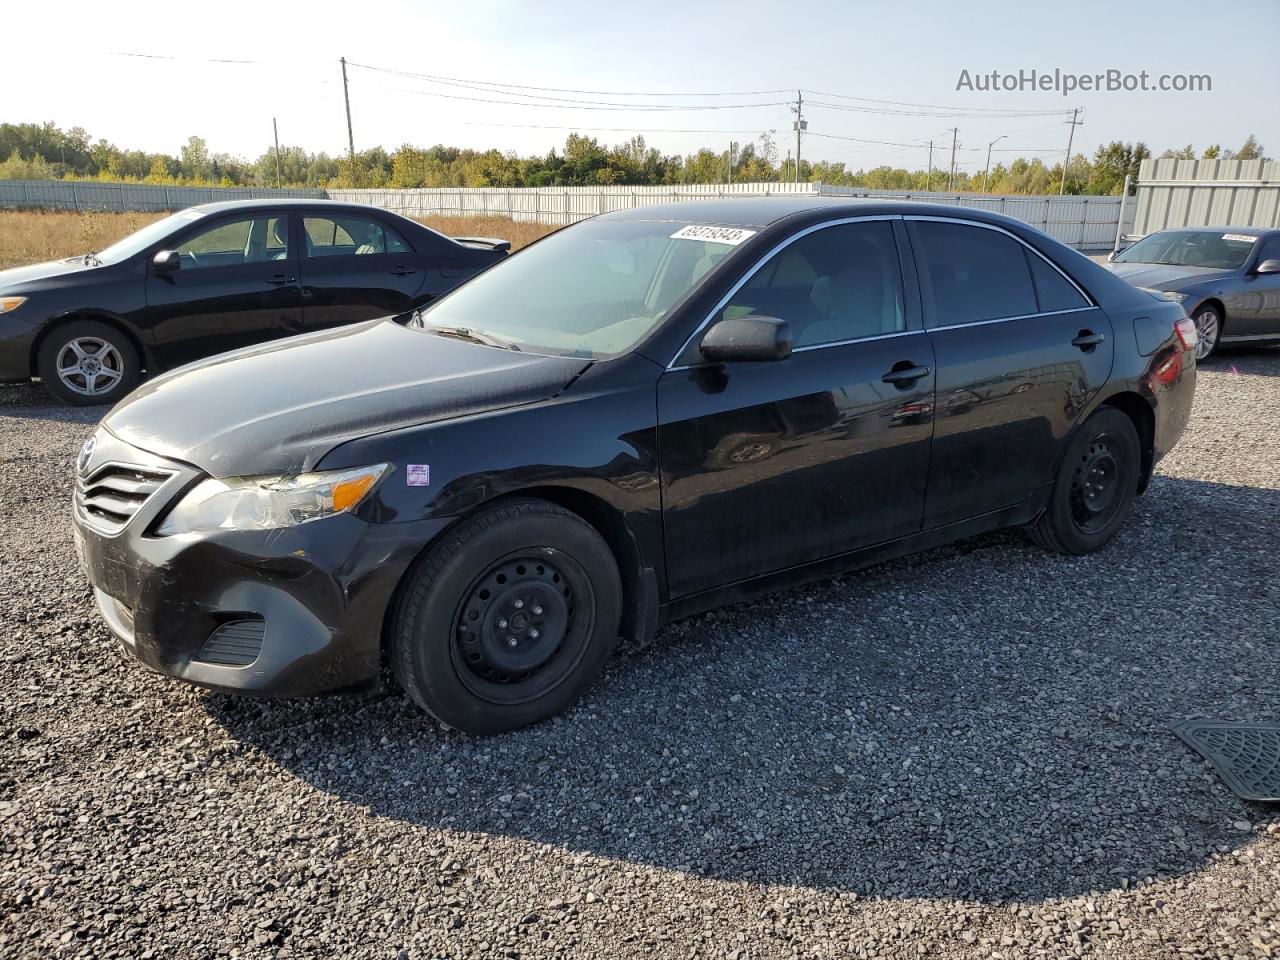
[(1190, 248), (592, 290), (142, 239)]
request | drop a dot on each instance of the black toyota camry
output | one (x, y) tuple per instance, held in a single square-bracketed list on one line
[(637, 418), (214, 278)]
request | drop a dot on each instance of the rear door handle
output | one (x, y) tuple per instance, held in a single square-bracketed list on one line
[(905, 376), (403, 271), (1087, 340), (280, 279)]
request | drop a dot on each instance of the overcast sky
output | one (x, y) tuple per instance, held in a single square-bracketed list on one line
[(63, 64)]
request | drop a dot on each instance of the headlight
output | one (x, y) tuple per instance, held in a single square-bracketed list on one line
[(1165, 295), (268, 503), (11, 303)]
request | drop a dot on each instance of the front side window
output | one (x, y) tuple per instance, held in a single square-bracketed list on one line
[(973, 274), (593, 290), (347, 236), (835, 284), (236, 242), (1191, 248), (1270, 249)]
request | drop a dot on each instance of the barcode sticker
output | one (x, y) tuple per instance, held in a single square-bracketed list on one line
[(727, 235), (417, 474)]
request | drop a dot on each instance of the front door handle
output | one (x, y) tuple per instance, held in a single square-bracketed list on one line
[(1087, 340), (403, 271), (280, 279), (906, 376)]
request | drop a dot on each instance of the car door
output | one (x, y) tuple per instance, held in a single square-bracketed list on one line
[(1254, 311), (354, 267), (772, 464), (1020, 351), (236, 285)]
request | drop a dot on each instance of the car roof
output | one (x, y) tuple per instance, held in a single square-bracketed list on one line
[(1244, 231), (762, 211), (218, 206)]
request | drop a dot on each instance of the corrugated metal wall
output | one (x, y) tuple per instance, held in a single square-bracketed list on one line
[(1207, 193), (1087, 223), (92, 195)]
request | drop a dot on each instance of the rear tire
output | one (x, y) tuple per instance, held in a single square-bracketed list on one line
[(87, 362), (1095, 486), (508, 619)]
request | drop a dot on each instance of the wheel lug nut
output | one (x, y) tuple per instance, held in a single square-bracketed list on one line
[(502, 624), (537, 611), (512, 641), (518, 604), (533, 634)]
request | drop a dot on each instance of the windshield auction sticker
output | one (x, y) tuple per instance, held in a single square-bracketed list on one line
[(728, 235), (1242, 237)]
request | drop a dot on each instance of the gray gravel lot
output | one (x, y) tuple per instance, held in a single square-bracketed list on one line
[(963, 754)]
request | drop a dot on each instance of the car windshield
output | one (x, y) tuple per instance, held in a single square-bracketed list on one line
[(593, 290), (1191, 248), (135, 243)]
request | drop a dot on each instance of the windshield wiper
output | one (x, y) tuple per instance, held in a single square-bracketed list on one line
[(474, 336), (92, 258)]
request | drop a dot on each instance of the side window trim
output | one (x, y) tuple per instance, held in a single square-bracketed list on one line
[(766, 258), (925, 287)]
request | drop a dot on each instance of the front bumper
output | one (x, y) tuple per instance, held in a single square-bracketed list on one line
[(17, 337), (314, 596)]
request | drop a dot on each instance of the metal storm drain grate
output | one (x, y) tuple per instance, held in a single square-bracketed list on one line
[(1245, 755)]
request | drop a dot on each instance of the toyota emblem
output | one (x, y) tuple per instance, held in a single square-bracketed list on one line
[(86, 454)]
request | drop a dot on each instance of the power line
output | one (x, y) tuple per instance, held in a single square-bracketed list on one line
[(933, 113), (934, 106), (544, 126)]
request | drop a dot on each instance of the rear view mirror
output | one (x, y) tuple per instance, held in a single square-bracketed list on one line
[(747, 339), (1268, 266), (166, 261)]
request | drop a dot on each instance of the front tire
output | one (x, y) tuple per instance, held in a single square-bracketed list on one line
[(1208, 321), (1095, 486), (508, 619), (87, 362)]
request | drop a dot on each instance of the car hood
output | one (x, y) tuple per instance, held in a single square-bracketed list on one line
[(1163, 276), (25, 276), (280, 407)]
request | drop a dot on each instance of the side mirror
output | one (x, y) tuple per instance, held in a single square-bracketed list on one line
[(747, 339), (166, 261), (1268, 266), (1112, 255)]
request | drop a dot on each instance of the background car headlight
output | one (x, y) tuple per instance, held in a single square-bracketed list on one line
[(1166, 294), (11, 303), (268, 503)]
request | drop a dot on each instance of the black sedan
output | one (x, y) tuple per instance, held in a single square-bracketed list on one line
[(637, 418), (1227, 278), (214, 278)]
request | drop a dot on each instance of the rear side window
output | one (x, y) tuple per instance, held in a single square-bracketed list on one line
[(346, 236), (1052, 289), (972, 274)]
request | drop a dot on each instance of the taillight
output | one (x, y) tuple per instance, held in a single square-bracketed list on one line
[(1186, 331)]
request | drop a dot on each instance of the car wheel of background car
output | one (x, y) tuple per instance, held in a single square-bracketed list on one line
[(1095, 486), (1208, 322), (508, 619), (86, 362)]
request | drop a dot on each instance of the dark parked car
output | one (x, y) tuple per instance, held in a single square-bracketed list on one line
[(634, 419), (1227, 278), (216, 277)]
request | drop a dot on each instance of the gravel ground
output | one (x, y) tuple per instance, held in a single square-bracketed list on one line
[(964, 754)]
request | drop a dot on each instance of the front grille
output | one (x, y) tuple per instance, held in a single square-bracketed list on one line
[(234, 644), (110, 496)]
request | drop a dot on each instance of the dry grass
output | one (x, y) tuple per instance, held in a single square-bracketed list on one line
[(32, 237)]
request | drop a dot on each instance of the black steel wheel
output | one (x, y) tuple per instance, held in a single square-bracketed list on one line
[(508, 619), (1095, 485)]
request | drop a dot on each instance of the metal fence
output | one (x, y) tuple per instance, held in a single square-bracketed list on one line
[(93, 195), (1206, 193), (1086, 223)]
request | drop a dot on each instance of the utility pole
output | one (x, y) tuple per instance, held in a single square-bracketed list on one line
[(800, 126), (730, 161), (346, 97), (928, 177), (952, 175), (782, 168), (988, 169), (276, 133), (1071, 136)]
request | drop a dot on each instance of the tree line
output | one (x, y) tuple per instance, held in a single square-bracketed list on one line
[(45, 151)]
